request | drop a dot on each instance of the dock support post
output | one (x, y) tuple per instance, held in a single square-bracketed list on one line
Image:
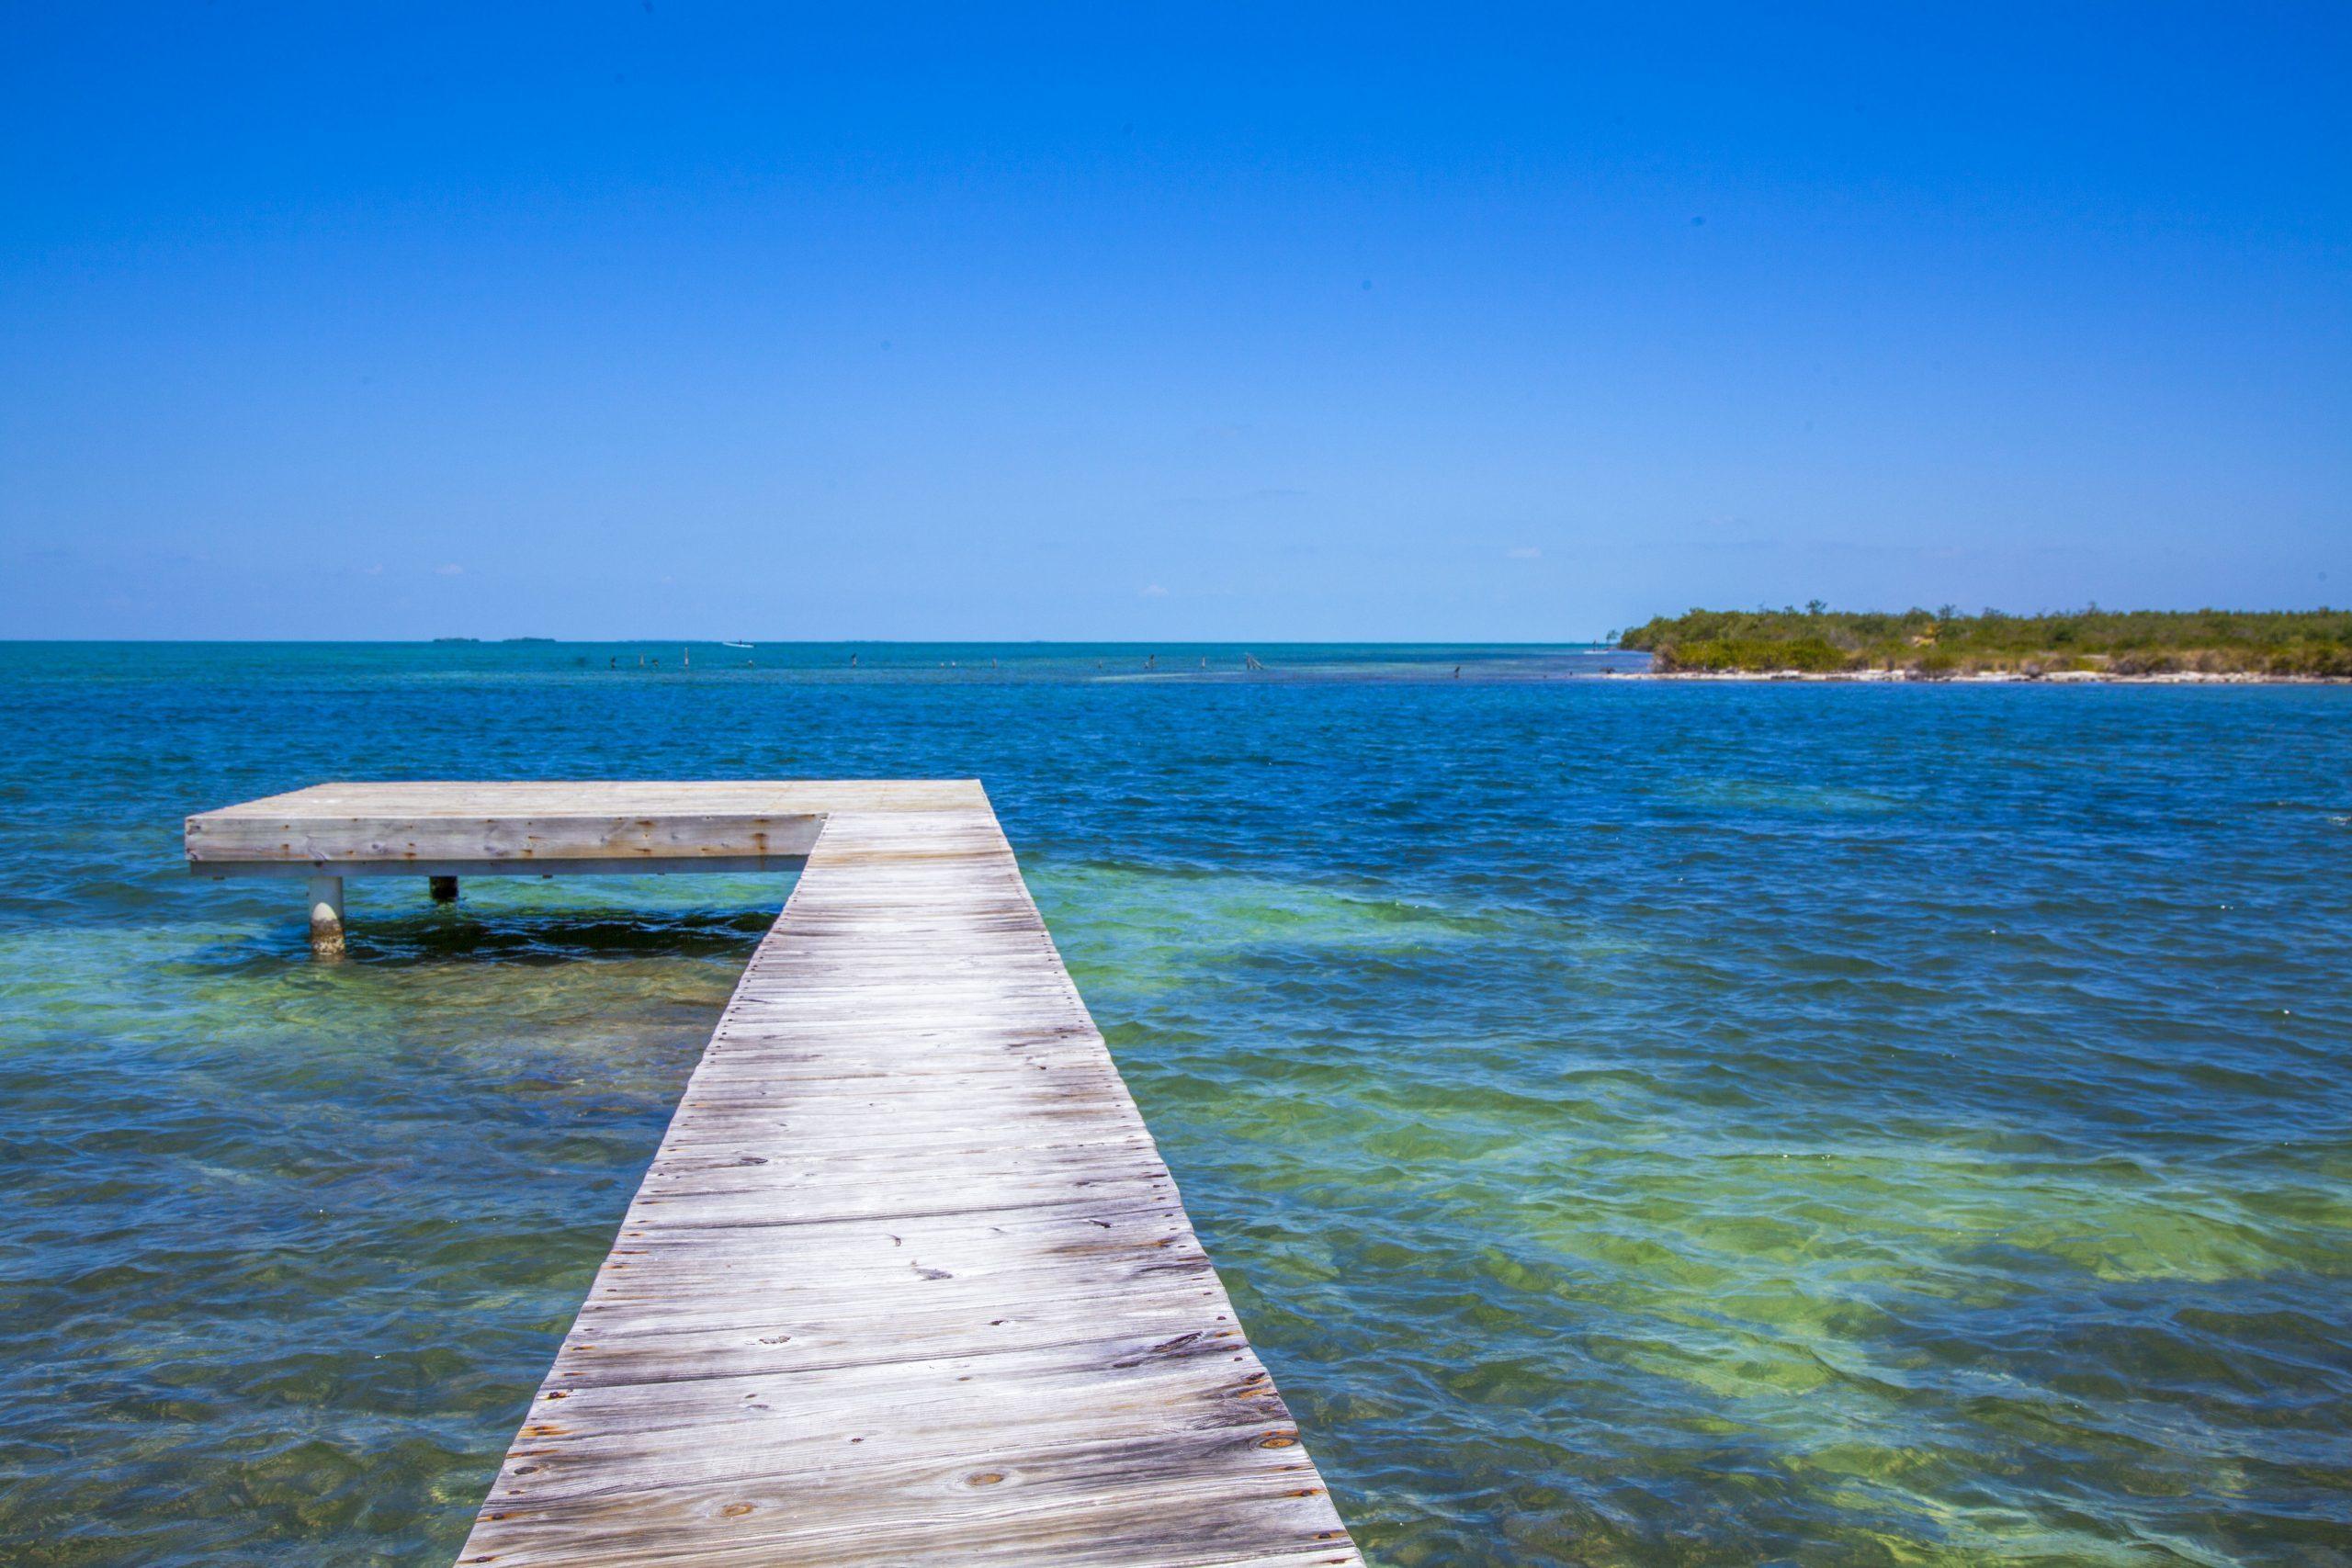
[(326, 917), (444, 889)]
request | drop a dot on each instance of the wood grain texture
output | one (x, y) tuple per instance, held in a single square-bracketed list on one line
[(364, 828), (907, 1281)]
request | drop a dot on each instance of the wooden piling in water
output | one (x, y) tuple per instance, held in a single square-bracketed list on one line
[(326, 916)]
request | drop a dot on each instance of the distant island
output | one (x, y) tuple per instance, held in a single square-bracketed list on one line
[(1942, 644)]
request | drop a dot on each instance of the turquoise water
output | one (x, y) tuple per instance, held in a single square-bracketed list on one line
[(1641, 1122)]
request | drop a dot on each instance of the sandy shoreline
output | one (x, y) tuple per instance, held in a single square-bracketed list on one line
[(1983, 678)]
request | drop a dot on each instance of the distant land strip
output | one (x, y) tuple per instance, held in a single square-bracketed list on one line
[(2303, 645)]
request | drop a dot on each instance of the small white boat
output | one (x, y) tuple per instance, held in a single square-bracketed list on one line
[(734, 645)]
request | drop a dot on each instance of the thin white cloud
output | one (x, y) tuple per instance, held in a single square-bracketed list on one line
[(1153, 591), (449, 568), (1525, 552)]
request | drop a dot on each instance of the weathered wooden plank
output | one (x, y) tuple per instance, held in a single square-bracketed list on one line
[(543, 866), (476, 841), (557, 797), (477, 829)]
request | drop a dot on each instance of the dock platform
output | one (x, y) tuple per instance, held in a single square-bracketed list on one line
[(907, 1281)]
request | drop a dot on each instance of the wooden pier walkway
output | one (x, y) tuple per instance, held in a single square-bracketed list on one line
[(907, 1281)]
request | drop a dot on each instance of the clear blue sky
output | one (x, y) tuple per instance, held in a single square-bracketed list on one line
[(1459, 323)]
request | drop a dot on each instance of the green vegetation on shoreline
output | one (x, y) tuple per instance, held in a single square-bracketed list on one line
[(1818, 641)]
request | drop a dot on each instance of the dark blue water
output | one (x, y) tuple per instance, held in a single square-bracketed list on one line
[(1641, 1122)]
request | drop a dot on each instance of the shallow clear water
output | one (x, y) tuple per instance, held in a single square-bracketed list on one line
[(1641, 1122)]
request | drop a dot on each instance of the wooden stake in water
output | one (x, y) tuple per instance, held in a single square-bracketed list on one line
[(326, 917)]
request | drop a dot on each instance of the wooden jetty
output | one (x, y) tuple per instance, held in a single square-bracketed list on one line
[(907, 1281)]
